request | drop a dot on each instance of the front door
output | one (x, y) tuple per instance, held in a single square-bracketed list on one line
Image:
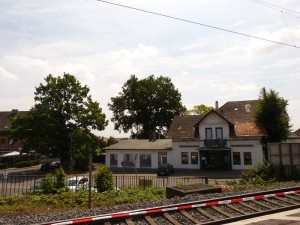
[(215, 159)]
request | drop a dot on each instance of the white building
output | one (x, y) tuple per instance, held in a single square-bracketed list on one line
[(227, 138)]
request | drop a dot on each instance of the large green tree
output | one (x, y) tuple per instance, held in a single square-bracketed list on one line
[(198, 110), (271, 112), (61, 121), (146, 105)]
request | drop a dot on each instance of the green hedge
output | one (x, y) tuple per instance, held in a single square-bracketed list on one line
[(3, 166), (22, 164)]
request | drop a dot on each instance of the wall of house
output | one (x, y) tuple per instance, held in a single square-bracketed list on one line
[(121, 154), (244, 147), (8, 145), (213, 121), (185, 155)]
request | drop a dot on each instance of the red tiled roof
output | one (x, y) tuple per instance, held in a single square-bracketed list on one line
[(142, 144), (241, 114), (238, 114), (183, 126), (5, 117)]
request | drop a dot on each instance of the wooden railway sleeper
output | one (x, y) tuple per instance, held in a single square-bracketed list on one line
[(250, 207), (223, 212), (273, 202), (262, 204), (171, 219), (209, 216), (150, 220), (129, 221), (293, 197), (190, 217), (236, 209), (287, 200)]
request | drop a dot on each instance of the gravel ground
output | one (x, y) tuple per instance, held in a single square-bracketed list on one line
[(48, 217)]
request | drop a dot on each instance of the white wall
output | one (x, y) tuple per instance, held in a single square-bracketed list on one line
[(214, 121), (178, 148), (153, 153), (242, 146)]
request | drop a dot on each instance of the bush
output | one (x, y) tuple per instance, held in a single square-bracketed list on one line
[(3, 166), (259, 174), (60, 178), (48, 185), (104, 179), (22, 164)]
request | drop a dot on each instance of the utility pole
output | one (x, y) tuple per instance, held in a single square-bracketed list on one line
[(90, 171)]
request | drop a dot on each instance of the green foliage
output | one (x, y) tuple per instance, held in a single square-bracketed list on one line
[(82, 146), (60, 178), (271, 112), (3, 166), (33, 203), (48, 184), (63, 111), (259, 174), (22, 164), (199, 110), (146, 104), (110, 141), (295, 174), (104, 179)]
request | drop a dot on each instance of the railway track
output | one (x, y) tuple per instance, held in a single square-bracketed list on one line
[(213, 211)]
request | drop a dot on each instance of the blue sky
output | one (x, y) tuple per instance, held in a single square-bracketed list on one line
[(102, 45)]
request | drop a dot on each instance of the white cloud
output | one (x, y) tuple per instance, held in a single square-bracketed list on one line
[(102, 45), (6, 76), (80, 71)]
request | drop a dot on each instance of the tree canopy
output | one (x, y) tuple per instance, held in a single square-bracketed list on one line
[(146, 105), (198, 110), (60, 122), (271, 112)]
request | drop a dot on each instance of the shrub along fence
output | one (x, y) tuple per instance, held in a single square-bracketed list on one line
[(22, 184)]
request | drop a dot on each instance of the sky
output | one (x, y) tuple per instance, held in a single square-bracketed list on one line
[(102, 45)]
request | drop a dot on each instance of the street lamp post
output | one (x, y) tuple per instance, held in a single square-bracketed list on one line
[(71, 150), (90, 172)]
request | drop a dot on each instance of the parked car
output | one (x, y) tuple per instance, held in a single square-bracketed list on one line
[(47, 166), (165, 169), (77, 182)]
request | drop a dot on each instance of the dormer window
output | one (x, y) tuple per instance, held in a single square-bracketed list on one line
[(248, 108)]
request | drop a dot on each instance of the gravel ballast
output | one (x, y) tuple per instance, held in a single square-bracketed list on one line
[(68, 215)]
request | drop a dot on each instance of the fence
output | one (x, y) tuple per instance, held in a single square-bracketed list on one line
[(22, 184)]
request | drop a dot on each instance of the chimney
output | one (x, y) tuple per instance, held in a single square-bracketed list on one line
[(154, 136), (150, 135), (216, 105), (14, 112)]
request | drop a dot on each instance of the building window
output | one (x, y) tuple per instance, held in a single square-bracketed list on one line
[(113, 159), (184, 158), (128, 160), (208, 133), (247, 158), (219, 133), (236, 156), (145, 160), (162, 158), (194, 157)]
